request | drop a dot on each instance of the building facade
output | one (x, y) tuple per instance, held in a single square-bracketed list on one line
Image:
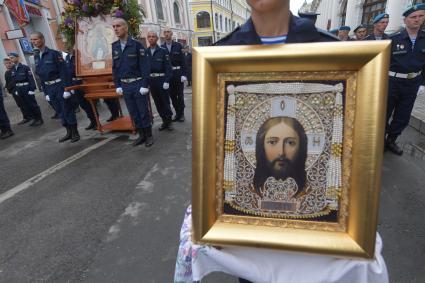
[(334, 13), (166, 13), (18, 19), (212, 20)]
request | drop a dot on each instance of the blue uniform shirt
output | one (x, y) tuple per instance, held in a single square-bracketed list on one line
[(22, 74), (406, 58), (176, 56), (51, 66), (129, 63), (160, 62), (300, 30)]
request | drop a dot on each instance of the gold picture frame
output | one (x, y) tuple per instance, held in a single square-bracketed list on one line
[(239, 79)]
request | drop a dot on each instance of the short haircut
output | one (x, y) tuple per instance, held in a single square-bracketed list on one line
[(39, 34), (154, 32), (6, 59), (121, 20)]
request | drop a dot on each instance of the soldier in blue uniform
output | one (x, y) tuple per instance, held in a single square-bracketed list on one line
[(5, 130), (10, 86), (78, 94), (361, 32), (380, 23), (51, 68), (159, 81), (130, 69), (188, 62), (25, 88), (175, 52), (406, 75)]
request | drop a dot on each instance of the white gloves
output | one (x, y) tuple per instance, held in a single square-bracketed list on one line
[(47, 98), (31, 92), (421, 90), (118, 90), (73, 91), (144, 91), (66, 94), (166, 86), (183, 79)]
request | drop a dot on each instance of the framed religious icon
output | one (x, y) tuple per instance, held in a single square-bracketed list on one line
[(288, 145), (94, 38)]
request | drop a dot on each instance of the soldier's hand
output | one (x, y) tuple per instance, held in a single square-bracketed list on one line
[(183, 79), (31, 92), (47, 98), (118, 90), (66, 94), (421, 90), (144, 91), (166, 86)]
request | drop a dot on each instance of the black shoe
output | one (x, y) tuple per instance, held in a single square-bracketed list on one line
[(92, 126), (75, 135), (37, 122), (56, 116), (24, 121), (391, 145), (112, 118), (181, 119), (163, 126), (149, 138), (141, 139), (6, 134), (170, 126), (176, 118), (67, 135)]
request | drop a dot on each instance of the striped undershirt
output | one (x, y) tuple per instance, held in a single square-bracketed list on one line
[(273, 39), (413, 40)]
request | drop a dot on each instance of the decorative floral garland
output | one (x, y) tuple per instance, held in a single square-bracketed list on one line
[(77, 9)]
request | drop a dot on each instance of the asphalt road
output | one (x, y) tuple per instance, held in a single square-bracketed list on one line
[(101, 210)]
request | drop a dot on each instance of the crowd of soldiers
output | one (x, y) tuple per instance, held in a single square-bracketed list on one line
[(162, 72), (158, 70)]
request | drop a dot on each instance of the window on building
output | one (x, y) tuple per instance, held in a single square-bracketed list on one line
[(205, 41), (176, 11), (221, 22), (216, 20), (159, 10), (344, 12), (225, 24), (371, 8), (203, 20)]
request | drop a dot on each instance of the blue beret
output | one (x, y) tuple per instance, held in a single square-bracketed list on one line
[(379, 17), (12, 54), (344, 28), (359, 27), (413, 8)]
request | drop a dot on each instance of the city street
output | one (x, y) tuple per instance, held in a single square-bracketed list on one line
[(101, 210)]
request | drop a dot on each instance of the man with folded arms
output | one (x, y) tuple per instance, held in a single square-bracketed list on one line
[(51, 68), (405, 76)]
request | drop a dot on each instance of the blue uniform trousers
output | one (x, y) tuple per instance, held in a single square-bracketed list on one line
[(21, 106), (4, 120), (84, 104), (161, 98), (64, 107), (137, 104), (401, 98), (29, 102), (176, 92)]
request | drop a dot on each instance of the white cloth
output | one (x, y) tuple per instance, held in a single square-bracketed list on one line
[(421, 90), (183, 79), (272, 266), (166, 86), (144, 91), (31, 92), (66, 94), (47, 98), (118, 90)]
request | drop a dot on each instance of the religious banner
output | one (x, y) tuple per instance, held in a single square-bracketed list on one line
[(18, 10)]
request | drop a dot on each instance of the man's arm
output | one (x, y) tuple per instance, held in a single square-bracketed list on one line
[(144, 65), (30, 78)]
